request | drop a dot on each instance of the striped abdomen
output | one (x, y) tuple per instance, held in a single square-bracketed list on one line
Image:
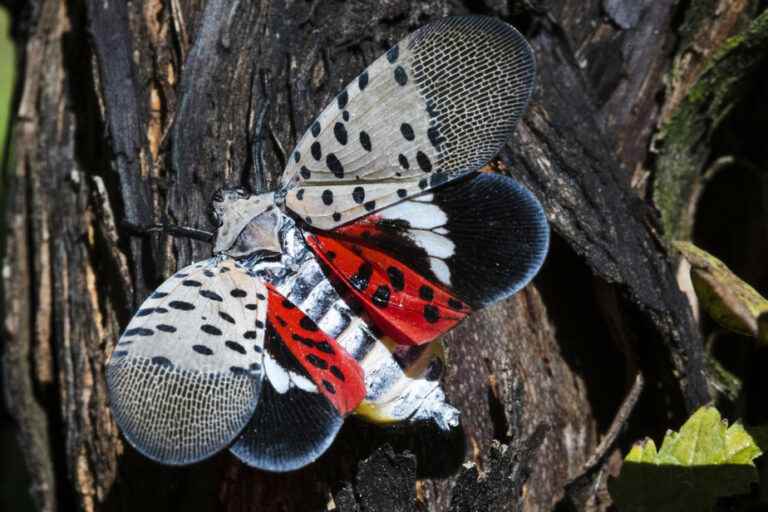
[(401, 382)]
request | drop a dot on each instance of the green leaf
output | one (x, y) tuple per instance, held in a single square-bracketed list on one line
[(704, 461), (7, 76), (727, 299)]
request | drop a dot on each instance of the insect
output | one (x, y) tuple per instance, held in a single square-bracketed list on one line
[(325, 297)]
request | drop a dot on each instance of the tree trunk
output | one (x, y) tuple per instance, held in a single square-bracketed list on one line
[(138, 111)]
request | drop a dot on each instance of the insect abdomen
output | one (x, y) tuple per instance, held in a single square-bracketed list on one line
[(401, 382)]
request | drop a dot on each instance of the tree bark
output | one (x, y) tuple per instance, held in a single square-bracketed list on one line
[(136, 112)]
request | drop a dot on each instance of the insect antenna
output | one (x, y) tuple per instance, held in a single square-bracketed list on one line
[(170, 229)]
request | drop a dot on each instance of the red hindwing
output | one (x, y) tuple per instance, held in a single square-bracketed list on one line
[(335, 373), (402, 303)]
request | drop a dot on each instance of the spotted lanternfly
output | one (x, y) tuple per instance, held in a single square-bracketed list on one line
[(325, 297)]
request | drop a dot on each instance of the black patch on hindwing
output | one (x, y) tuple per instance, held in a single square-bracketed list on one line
[(499, 232), (289, 430)]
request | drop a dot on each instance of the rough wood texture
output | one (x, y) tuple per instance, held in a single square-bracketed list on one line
[(143, 109)]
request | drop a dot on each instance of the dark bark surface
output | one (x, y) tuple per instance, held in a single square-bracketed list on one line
[(137, 112)]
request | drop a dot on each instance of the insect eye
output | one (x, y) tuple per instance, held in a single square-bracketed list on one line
[(215, 216)]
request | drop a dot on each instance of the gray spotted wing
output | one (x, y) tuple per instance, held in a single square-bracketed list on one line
[(185, 376), (438, 105)]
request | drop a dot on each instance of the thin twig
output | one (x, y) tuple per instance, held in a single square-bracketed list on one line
[(606, 444), (583, 486), (108, 230)]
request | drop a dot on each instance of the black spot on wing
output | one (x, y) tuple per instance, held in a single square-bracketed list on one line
[(226, 317), (362, 80), (161, 361), (324, 346), (315, 129), (392, 54), (238, 293), (358, 195), (139, 331), (334, 165), (308, 342), (381, 296), (165, 328), (208, 294), (308, 324), (202, 349), (400, 75), (342, 99), (365, 140), (316, 150), (337, 373), (211, 329), (424, 163), (340, 132), (233, 345), (317, 361), (327, 197), (361, 279), (431, 314), (407, 131), (396, 278)]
